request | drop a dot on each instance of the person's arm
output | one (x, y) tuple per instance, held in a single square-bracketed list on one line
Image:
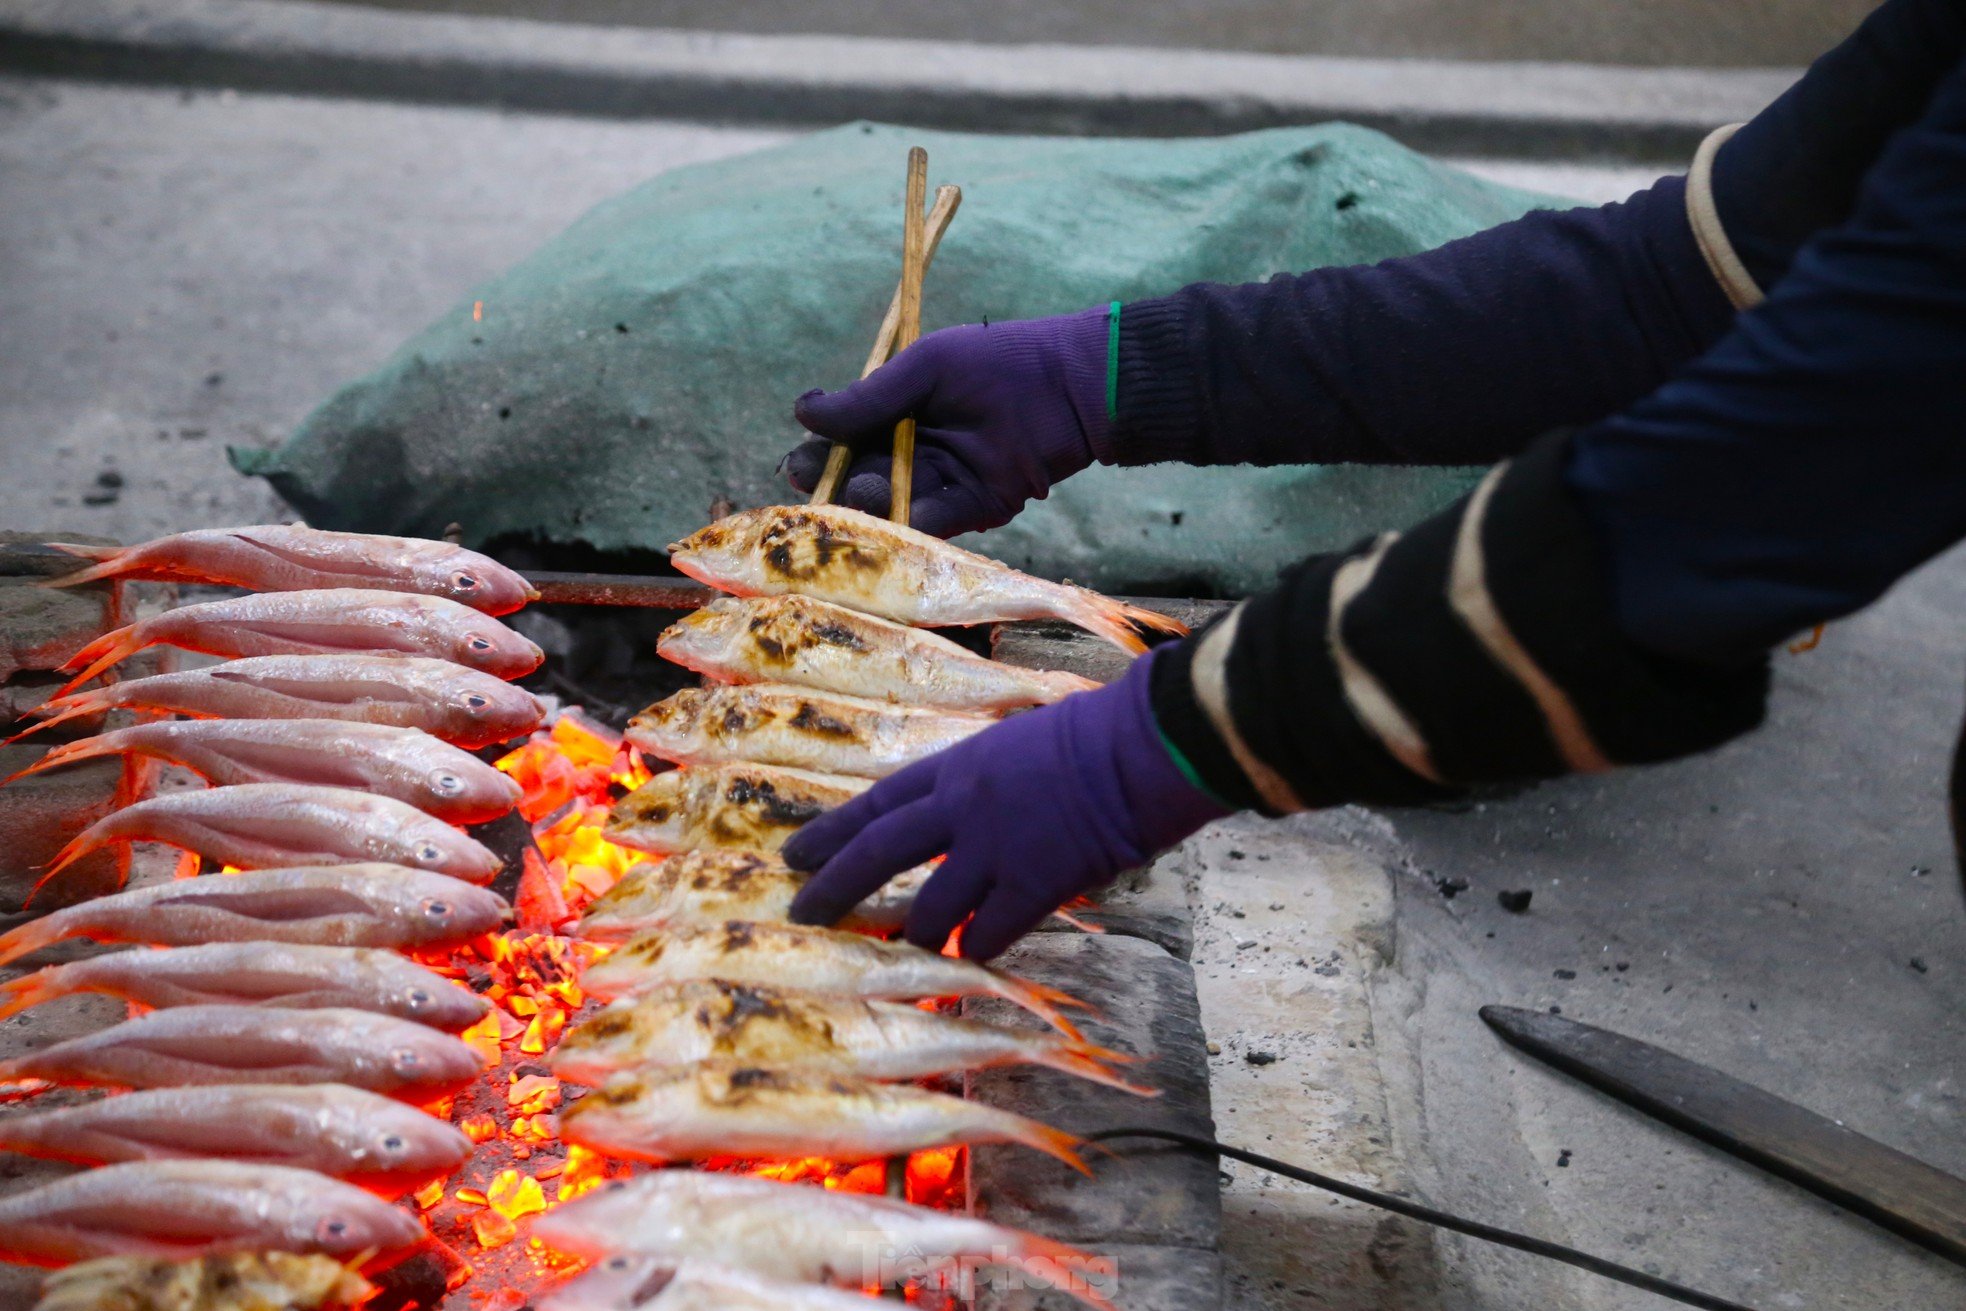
[(1605, 599)]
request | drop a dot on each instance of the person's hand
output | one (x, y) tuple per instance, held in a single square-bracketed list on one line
[(1031, 812), (1002, 411)]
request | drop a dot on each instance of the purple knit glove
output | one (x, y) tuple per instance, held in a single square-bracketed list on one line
[(1002, 411), (1032, 812)]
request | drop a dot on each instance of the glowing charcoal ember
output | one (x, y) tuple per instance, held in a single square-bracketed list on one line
[(515, 1196)]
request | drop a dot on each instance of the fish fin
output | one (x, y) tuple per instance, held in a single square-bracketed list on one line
[(100, 654), (65, 708), (30, 937), (68, 753), (1118, 622), (29, 991), (1041, 1001), (1095, 1064), (1052, 1142), (1065, 1267), (110, 561), (1061, 915), (91, 839)]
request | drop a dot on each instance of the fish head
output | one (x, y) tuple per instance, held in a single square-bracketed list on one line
[(438, 1003), (725, 554), (668, 727), (437, 847), (616, 1283), (496, 711), (492, 648), (455, 910), (396, 1148), (425, 1065), (655, 816), (468, 792), (699, 639), (341, 1220), (477, 581)]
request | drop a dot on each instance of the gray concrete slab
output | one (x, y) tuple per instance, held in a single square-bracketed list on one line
[(1516, 106), (1743, 34)]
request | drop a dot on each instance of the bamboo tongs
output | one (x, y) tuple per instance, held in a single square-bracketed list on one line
[(899, 329)]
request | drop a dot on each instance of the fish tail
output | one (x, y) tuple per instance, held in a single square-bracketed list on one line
[(1095, 1063), (1042, 1002), (65, 708), (32, 936), (68, 753), (100, 654), (1042, 1137), (91, 839), (110, 561), (1065, 1267), (30, 990), (1065, 917), (1118, 622)]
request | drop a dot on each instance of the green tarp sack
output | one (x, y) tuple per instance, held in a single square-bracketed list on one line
[(641, 366)]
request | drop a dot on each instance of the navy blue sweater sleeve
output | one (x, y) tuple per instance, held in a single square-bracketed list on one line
[(1459, 355), (1814, 456)]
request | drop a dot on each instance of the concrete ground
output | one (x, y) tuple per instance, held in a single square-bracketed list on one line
[(1743, 33), (179, 272)]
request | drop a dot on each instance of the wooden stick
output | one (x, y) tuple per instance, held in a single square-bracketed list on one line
[(909, 329), (947, 200)]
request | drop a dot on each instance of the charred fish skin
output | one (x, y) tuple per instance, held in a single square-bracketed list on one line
[(343, 1132), (793, 1232), (332, 621), (294, 558), (717, 885), (198, 1045), (258, 974), (238, 1281), (461, 706), (809, 959), (275, 825), (711, 1020), (402, 764), (775, 724), (811, 643), (854, 559), (727, 807), (370, 905), (179, 1209)]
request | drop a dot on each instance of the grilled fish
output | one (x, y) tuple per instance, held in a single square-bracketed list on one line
[(194, 1045), (267, 825), (798, 1233), (809, 959), (329, 905), (720, 885), (721, 1109), (711, 1020), (363, 1137), (646, 1283), (404, 764), (258, 974), (293, 558), (796, 639), (745, 807), (854, 559), (178, 1209), (331, 621), (772, 724), (240, 1281), (449, 701)]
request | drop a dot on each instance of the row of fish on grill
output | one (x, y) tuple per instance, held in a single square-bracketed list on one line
[(288, 1043)]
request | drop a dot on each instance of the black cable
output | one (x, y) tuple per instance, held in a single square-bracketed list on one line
[(1597, 1265)]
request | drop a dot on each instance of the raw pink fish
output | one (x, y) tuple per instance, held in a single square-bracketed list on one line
[(330, 621), (192, 1045), (257, 974), (459, 705), (363, 1137), (269, 825), (404, 764), (370, 905), (182, 1209), (293, 557)]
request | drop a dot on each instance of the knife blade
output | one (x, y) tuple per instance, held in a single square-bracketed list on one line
[(1885, 1186)]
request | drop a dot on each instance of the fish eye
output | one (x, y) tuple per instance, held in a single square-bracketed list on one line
[(473, 701), (615, 1185), (618, 1263), (446, 783), (437, 909), (428, 853), (477, 643), (419, 998), (394, 1143), (464, 582), (405, 1061), (331, 1230)]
